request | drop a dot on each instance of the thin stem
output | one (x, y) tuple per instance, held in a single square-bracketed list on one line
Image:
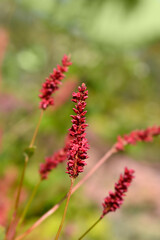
[(17, 198), (90, 228), (21, 183), (97, 165), (65, 210), (82, 181), (36, 130), (10, 233), (29, 203)]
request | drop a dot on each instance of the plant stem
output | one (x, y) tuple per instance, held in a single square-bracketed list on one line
[(97, 165), (82, 181), (28, 203), (17, 199), (36, 130), (65, 210), (21, 183), (90, 228)]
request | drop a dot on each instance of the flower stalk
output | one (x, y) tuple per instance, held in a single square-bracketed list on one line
[(90, 228), (36, 130), (28, 203), (65, 210)]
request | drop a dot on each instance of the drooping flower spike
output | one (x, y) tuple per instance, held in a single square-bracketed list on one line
[(115, 199), (52, 82), (77, 152), (53, 161), (137, 136)]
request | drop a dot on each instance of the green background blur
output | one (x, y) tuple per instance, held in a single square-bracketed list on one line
[(115, 49)]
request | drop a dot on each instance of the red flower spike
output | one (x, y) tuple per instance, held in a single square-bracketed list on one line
[(115, 199), (52, 162), (77, 152), (51, 83), (137, 136)]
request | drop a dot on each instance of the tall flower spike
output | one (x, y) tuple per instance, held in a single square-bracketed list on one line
[(137, 136), (52, 82), (115, 200), (77, 152)]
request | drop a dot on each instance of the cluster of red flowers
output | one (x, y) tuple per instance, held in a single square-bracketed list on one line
[(77, 152), (137, 136), (51, 83), (52, 162), (114, 200)]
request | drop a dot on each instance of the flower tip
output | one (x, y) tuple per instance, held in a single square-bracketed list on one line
[(129, 171), (66, 60)]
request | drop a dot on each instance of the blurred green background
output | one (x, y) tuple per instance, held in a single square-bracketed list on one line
[(114, 47)]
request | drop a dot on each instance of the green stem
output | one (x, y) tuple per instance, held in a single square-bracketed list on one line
[(65, 210), (17, 199), (20, 184), (36, 130), (28, 203), (90, 228)]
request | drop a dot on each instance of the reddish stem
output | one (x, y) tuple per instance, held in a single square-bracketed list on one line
[(65, 210)]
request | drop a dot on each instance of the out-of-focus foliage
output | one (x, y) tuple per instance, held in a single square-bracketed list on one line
[(114, 46)]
